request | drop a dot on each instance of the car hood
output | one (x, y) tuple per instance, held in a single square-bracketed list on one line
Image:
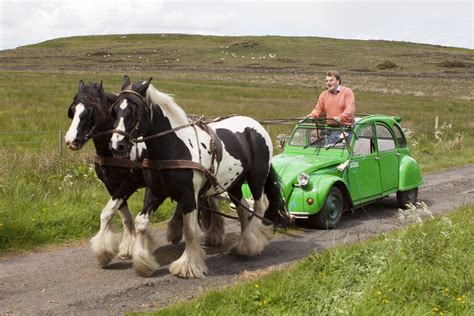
[(288, 167)]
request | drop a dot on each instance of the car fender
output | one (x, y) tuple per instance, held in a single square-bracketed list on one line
[(410, 174), (317, 189)]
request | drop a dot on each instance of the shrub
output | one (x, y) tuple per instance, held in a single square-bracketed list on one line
[(453, 64), (387, 64)]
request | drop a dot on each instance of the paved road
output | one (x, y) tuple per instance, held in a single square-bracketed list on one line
[(68, 280)]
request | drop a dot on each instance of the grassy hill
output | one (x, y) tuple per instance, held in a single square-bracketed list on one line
[(251, 53)]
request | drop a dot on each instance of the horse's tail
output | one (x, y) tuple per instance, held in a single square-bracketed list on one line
[(277, 210)]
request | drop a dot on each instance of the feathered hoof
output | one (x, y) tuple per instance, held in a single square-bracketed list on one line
[(144, 262), (104, 246), (252, 242), (214, 239), (144, 266), (189, 269), (126, 248), (104, 257)]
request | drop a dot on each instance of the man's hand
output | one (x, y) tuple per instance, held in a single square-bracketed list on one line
[(337, 119)]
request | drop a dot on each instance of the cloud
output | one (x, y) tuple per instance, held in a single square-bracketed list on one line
[(424, 21)]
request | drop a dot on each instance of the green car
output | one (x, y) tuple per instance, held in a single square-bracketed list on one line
[(326, 170)]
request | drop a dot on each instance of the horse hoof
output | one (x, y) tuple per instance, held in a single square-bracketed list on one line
[(104, 258), (188, 269), (124, 256)]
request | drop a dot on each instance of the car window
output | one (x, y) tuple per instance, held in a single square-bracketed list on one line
[(321, 137), (364, 143), (300, 137), (385, 139), (402, 141)]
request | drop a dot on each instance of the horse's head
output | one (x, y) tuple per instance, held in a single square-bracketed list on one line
[(132, 116), (87, 110)]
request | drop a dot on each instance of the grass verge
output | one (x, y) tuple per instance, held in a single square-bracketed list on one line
[(423, 269)]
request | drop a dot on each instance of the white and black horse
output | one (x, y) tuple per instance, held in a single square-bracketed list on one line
[(230, 151), (90, 114)]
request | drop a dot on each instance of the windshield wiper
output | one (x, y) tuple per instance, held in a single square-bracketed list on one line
[(314, 143), (335, 143)]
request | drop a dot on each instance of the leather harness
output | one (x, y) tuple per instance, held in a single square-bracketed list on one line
[(117, 162)]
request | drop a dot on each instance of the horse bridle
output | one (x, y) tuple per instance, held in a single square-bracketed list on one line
[(91, 131), (130, 136)]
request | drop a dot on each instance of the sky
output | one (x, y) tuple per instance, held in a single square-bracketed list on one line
[(442, 22)]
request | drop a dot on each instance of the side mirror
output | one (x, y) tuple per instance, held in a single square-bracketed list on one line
[(281, 138)]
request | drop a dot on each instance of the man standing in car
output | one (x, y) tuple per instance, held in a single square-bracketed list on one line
[(336, 103)]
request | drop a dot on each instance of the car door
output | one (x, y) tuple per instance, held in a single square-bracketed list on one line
[(364, 168), (388, 158)]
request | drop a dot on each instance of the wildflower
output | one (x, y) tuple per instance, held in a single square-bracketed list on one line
[(257, 286), (435, 309), (390, 290), (446, 290), (271, 55), (379, 293), (33, 219), (386, 301), (1, 225)]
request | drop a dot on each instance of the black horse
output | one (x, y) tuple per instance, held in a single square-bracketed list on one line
[(186, 161), (90, 114)]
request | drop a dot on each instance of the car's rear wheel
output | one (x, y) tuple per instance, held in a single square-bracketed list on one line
[(407, 197), (331, 212)]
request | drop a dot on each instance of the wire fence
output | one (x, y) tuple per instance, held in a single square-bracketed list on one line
[(33, 140), (54, 139)]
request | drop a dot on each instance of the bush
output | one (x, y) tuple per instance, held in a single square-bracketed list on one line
[(387, 64), (453, 64)]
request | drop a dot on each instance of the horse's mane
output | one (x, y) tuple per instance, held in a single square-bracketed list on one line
[(167, 104)]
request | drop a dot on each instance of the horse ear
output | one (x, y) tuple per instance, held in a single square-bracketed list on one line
[(81, 85), (101, 86), (144, 86), (126, 82)]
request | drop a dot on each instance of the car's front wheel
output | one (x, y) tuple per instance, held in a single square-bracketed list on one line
[(331, 212), (407, 197)]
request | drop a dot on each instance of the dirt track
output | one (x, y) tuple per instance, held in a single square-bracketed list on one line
[(69, 280)]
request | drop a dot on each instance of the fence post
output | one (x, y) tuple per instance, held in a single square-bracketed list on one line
[(60, 142), (436, 122)]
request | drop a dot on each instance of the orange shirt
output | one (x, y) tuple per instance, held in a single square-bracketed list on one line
[(340, 104)]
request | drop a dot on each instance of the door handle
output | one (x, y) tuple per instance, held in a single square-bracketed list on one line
[(376, 158), (397, 154)]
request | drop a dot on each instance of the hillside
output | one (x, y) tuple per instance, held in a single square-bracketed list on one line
[(263, 54)]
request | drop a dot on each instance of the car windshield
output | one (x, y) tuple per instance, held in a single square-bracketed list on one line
[(320, 137)]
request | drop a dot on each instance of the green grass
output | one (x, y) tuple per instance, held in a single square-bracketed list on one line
[(37, 84), (419, 270)]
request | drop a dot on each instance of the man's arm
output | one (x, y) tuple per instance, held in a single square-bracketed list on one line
[(347, 117), (318, 109)]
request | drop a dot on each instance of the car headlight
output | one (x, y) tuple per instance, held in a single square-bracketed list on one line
[(303, 179)]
